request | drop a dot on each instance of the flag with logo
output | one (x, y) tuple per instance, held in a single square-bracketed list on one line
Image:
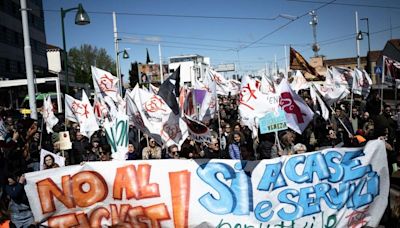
[(298, 62), (104, 83), (81, 112), (253, 104), (209, 104), (298, 114), (222, 85), (158, 117), (48, 115), (391, 69), (340, 76), (197, 130), (361, 83)]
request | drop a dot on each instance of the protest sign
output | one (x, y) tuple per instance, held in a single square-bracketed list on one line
[(65, 141), (59, 160), (337, 187), (117, 135), (273, 121)]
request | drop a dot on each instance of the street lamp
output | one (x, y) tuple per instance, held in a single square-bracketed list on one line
[(81, 18), (125, 55), (360, 34)]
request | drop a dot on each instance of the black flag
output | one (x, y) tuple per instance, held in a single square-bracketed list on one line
[(148, 57), (169, 90)]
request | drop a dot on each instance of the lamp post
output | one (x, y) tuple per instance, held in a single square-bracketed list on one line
[(125, 55), (359, 35), (81, 18)]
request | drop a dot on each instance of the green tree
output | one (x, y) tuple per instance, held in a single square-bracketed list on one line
[(80, 59)]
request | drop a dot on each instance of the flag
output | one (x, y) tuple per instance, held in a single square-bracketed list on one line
[(158, 117), (169, 90), (318, 102), (253, 104), (48, 115), (361, 83), (297, 62), (392, 69), (197, 130), (223, 86), (299, 82), (267, 85), (331, 93), (298, 114), (209, 104), (3, 130), (100, 110), (81, 112), (153, 89), (234, 87), (186, 102), (105, 84), (340, 76), (148, 57), (70, 105)]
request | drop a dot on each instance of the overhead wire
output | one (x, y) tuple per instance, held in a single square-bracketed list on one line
[(348, 4)]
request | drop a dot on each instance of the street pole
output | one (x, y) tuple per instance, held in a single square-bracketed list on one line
[(65, 52), (117, 53), (161, 68), (28, 61), (358, 44)]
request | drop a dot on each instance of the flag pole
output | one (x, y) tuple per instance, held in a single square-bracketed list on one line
[(383, 79), (344, 126), (219, 118), (161, 68)]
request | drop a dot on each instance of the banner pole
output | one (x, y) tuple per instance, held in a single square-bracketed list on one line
[(383, 80)]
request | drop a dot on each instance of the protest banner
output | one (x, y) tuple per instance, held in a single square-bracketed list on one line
[(336, 187)]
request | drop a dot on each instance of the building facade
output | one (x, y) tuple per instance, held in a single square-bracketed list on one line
[(12, 60), (193, 67)]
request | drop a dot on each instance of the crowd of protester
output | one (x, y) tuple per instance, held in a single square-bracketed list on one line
[(20, 148)]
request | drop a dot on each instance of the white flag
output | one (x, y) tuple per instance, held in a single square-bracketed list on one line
[(253, 104), (361, 83), (70, 105), (299, 82), (48, 115), (298, 114), (158, 117), (335, 88), (317, 100), (81, 112), (209, 104), (105, 84), (222, 85)]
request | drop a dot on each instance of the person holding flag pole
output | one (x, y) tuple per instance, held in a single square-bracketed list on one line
[(341, 122)]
